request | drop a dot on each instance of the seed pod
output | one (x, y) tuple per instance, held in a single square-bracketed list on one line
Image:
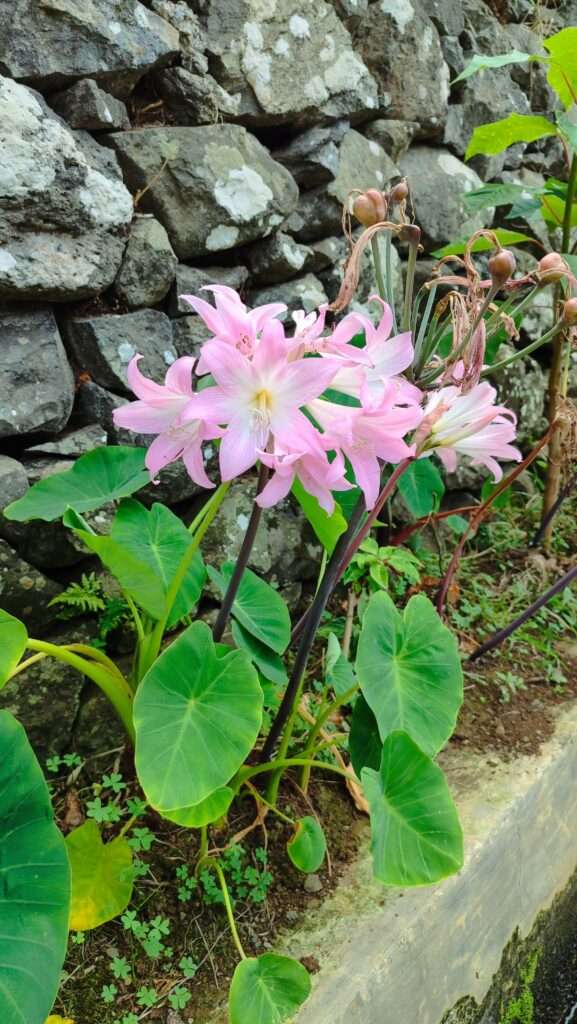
[(410, 233), (552, 268), (502, 266), (370, 207), (399, 192), (569, 315)]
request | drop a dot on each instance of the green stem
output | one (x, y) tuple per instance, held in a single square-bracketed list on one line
[(389, 276), (409, 284), (524, 351), (259, 798), (135, 616), (92, 652), (228, 908), (273, 786), (249, 772), (24, 665), (114, 687), (567, 214), (419, 363), (203, 842), (381, 280)]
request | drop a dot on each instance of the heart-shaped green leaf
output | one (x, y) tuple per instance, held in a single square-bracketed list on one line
[(416, 838), (197, 717), (421, 488), (409, 670), (269, 664), (100, 476), (267, 990), (159, 539), (102, 878), (339, 671), (365, 743), (13, 640), (214, 807), (308, 846), (257, 606), (34, 884)]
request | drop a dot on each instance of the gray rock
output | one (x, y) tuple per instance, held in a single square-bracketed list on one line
[(413, 79), (194, 99), (305, 292), (190, 281), (36, 382), (85, 105), (523, 386), (447, 15), (292, 62), (276, 259), (25, 592), (192, 39), (437, 181), (13, 480), (453, 54), (97, 726), (394, 137), (317, 215), (189, 333), (532, 77), (220, 187), (73, 443), (103, 346), (351, 11), (333, 277), (489, 96), (323, 254), (148, 266), (95, 404), (313, 156), (101, 158), (312, 884), (62, 222), (285, 549), (52, 43), (363, 164)]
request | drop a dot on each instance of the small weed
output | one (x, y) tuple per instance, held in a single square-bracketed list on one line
[(522, 1009)]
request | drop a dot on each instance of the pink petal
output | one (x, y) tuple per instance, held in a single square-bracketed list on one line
[(239, 448), (179, 376), (142, 386), (277, 488)]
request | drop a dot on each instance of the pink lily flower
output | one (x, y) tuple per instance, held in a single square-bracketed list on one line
[(308, 336), (159, 410), (230, 320), (468, 424), (317, 475), (367, 435), (259, 400)]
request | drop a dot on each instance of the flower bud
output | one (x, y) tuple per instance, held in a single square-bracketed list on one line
[(410, 233), (552, 268), (399, 192), (569, 314), (502, 267), (370, 207)]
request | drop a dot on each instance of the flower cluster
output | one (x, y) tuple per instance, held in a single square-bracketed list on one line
[(308, 406)]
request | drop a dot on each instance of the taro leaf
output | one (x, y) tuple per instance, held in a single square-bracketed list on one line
[(409, 670), (568, 128), (497, 194), (133, 575), (421, 487), (34, 884), (308, 846), (499, 135), (480, 62), (416, 838), (214, 807), (102, 876), (365, 744), (267, 989), (257, 606), (159, 539), (197, 717), (504, 236), (339, 671), (13, 640), (100, 476), (269, 664), (327, 528), (562, 73)]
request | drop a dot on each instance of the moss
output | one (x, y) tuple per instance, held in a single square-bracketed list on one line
[(522, 1009)]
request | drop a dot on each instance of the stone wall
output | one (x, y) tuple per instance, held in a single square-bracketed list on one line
[(148, 148)]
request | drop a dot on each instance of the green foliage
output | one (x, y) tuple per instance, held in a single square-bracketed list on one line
[(208, 810), (421, 488), (84, 597), (307, 848), (372, 567), (13, 640), (496, 136), (457, 248), (268, 662), (267, 990), (562, 72), (100, 476), (522, 1009), (258, 607), (416, 837), (197, 717), (35, 883), (409, 671), (328, 528), (365, 743), (102, 878), (338, 670), (480, 62), (245, 881)]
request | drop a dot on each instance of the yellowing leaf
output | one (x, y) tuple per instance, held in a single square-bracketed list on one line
[(54, 1018), (102, 877)]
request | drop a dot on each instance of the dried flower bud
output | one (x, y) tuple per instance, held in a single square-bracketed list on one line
[(502, 266), (569, 315), (370, 207), (410, 233), (552, 268), (399, 193)]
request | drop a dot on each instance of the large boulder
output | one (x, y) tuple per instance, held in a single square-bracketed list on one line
[(212, 187), (401, 47), (86, 105), (50, 43), (291, 62), (438, 182), (36, 382), (191, 281), (62, 222), (102, 346), (304, 292)]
